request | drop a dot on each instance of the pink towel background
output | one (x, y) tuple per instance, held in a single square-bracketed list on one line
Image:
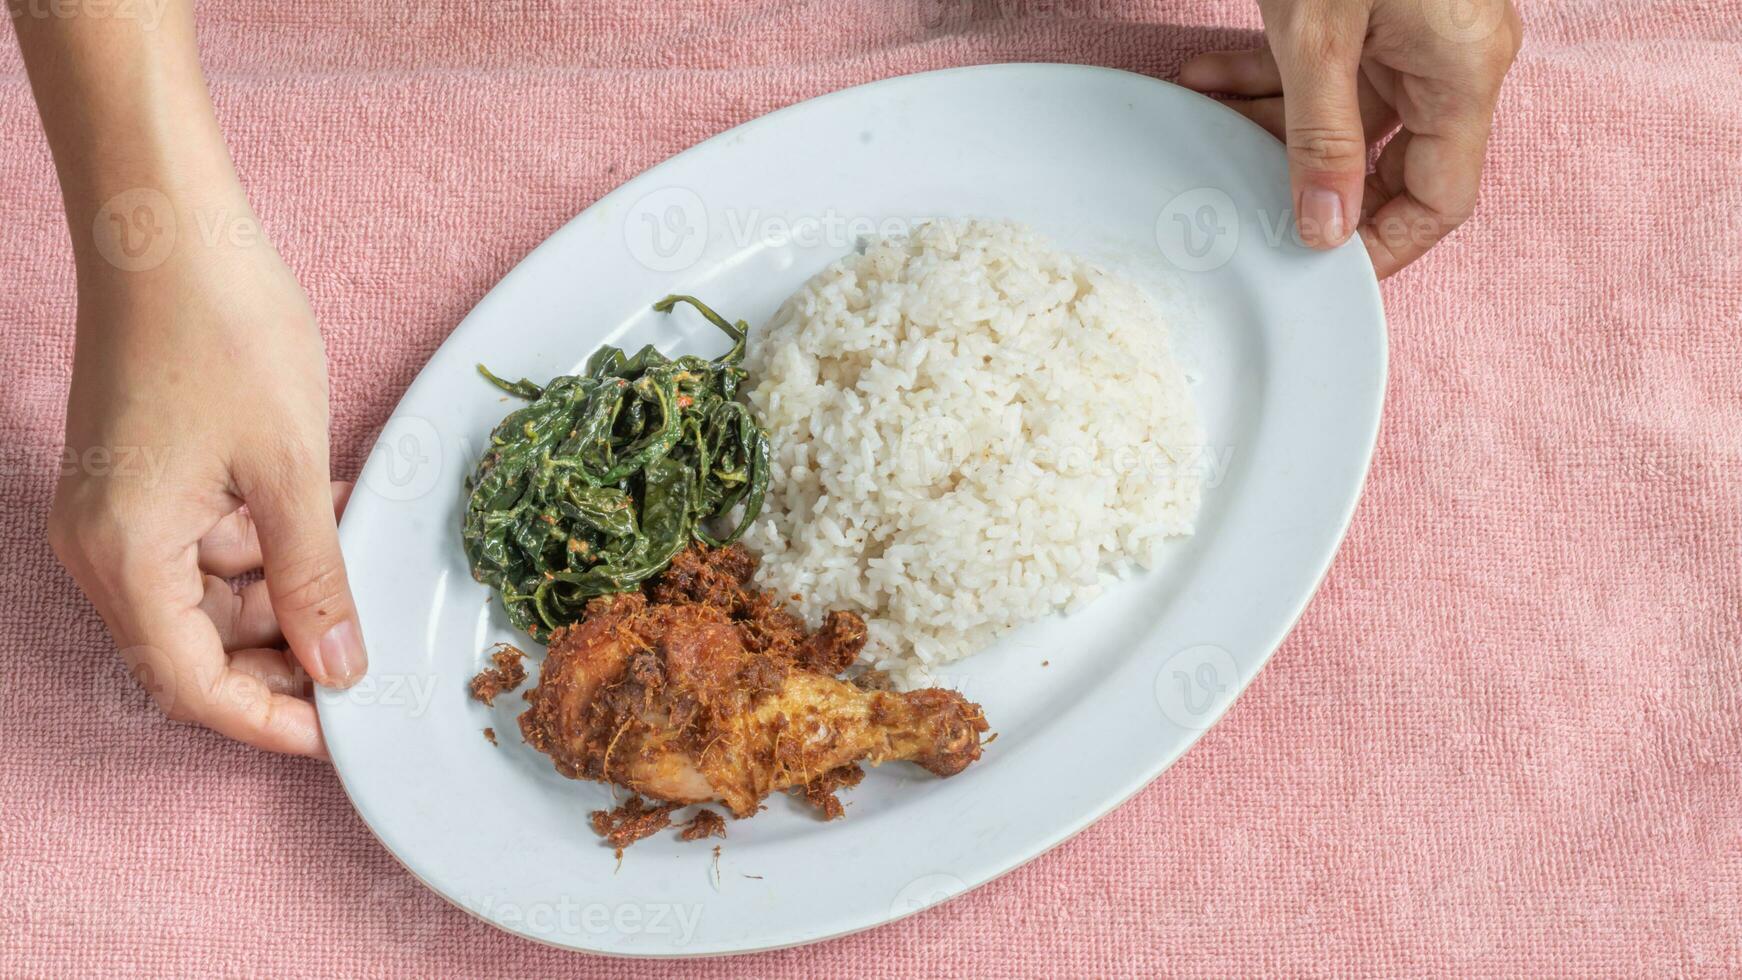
[(1505, 737)]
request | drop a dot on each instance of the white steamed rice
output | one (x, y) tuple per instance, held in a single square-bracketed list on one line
[(971, 430)]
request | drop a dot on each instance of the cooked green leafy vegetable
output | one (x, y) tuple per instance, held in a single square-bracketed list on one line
[(594, 486)]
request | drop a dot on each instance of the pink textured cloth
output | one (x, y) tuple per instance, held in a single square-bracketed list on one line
[(1505, 737)]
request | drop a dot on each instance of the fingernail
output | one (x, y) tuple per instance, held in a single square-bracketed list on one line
[(1321, 216), (342, 658)]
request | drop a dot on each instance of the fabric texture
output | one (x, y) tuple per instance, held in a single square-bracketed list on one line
[(1506, 736)]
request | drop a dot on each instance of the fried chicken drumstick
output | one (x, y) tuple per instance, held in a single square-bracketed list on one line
[(703, 688)]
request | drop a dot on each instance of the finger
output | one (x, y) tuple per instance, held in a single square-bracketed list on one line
[(1386, 180), (1318, 54), (305, 573), (1434, 178), (144, 578), (253, 713), (1264, 112), (1378, 118), (178, 659), (232, 546), (279, 673), (1252, 74), (244, 617)]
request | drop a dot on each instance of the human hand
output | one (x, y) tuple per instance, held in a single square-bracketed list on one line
[(197, 419), (1337, 76), (208, 372)]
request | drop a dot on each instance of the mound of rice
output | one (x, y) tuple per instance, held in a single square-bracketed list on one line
[(971, 430)]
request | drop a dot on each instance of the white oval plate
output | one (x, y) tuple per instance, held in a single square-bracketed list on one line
[(1287, 348)]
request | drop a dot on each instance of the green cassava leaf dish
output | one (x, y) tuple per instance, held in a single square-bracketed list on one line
[(596, 484)]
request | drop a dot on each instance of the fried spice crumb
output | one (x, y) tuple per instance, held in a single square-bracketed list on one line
[(1044, 663), (490, 735), (706, 823), (507, 674), (820, 792), (632, 820)]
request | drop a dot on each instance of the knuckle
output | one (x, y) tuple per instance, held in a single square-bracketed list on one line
[(62, 529), (282, 464), (294, 454), (1463, 209), (1494, 61), (229, 534), (1454, 216), (1453, 208), (315, 582), (1489, 60), (1512, 36), (73, 507), (1321, 148), (1424, 229), (84, 521), (1316, 36), (155, 674), (198, 705)]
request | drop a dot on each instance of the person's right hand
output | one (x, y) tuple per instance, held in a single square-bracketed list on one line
[(1337, 76), (197, 451)]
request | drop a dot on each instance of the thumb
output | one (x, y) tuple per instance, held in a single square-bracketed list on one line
[(305, 575), (1318, 55)]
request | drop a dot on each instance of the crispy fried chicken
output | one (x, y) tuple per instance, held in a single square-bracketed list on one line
[(704, 688)]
